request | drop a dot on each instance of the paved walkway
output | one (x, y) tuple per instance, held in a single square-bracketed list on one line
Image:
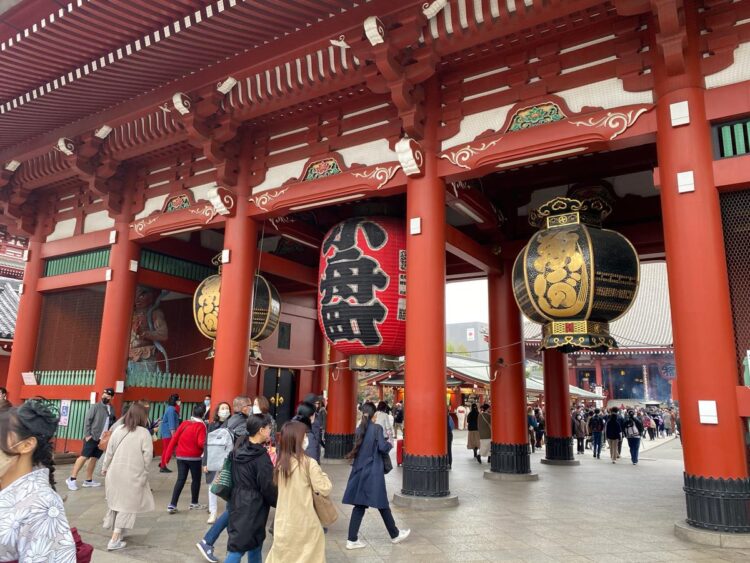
[(594, 512)]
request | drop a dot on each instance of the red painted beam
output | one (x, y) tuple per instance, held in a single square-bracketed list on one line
[(732, 173), (165, 281), (470, 251), (75, 244), (77, 279), (70, 392), (287, 269)]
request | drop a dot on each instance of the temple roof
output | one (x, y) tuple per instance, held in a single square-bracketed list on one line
[(9, 299), (648, 322)]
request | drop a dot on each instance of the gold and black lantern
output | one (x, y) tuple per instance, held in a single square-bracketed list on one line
[(573, 276), (265, 315)]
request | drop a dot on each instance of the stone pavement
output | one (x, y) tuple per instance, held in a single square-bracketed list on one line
[(593, 512)]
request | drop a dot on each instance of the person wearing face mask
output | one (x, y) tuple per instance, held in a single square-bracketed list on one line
[(237, 424), (169, 423), (207, 402), (306, 415), (221, 417), (33, 518), (262, 406), (99, 420)]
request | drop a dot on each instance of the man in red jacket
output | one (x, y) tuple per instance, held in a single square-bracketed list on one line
[(187, 444)]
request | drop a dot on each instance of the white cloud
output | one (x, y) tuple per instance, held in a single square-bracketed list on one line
[(466, 301)]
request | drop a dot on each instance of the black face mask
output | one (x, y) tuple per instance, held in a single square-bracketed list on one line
[(105, 400)]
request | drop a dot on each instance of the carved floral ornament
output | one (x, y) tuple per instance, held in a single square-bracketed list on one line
[(221, 201), (605, 125)]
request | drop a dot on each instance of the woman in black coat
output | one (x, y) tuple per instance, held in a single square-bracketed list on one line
[(473, 442), (253, 492), (366, 485)]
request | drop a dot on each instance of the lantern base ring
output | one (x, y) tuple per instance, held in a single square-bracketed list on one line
[(570, 336)]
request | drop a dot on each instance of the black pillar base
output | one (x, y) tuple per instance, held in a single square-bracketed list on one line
[(338, 445), (425, 476), (559, 449), (721, 505), (510, 458)]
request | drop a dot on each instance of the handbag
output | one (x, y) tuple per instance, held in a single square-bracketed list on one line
[(104, 440), (324, 508), (223, 484), (387, 463)]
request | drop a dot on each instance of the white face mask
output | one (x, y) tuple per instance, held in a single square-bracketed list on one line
[(223, 414), (256, 409), (305, 443)]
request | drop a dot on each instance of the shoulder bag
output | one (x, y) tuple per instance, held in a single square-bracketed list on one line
[(324, 508), (223, 483)]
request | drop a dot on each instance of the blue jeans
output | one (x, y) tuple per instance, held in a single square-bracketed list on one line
[(597, 443), (253, 556), (219, 526), (635, 445)]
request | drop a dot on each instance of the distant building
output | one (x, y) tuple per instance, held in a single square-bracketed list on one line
[(468, 339)]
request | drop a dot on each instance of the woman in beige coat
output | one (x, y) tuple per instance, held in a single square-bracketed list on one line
[(297, 535), (126, 462)]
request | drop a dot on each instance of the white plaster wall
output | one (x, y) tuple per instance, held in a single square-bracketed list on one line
[(98, 221), (739, 71), (152, 204), (63, 229), (201, 192), (277, 175), (607, 94)]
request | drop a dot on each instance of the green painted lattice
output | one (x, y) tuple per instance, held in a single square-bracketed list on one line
[(733, 138), (169, 381), (80, 262), (172, 266), (66, 377)]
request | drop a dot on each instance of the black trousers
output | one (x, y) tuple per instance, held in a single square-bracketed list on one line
[(450, 449), (580, 444), (358, 512), (183, 467)]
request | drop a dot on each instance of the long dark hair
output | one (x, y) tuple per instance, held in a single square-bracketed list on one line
[(290, 447), (368, 411), (216, 412), (33, 419)]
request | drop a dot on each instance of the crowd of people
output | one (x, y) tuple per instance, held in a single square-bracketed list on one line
[(272, 481)]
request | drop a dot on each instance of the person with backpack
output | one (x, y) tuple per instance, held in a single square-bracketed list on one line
[(219, 443), (169, 423), (633, 430), (596, 427), (366, 486), (188, 444), (236, 425)]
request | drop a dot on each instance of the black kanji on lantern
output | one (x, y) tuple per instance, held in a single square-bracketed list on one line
[(349, 308)]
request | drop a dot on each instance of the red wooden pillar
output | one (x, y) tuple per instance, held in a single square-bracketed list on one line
[(559, 439), (572, 372), (119, 299), (230, 373), (23, 356), (598, 371), (425, 467), (716, 468), (342, 406), (510, 436), (322, 358)]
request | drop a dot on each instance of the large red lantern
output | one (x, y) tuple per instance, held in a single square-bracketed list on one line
[(362, 290)]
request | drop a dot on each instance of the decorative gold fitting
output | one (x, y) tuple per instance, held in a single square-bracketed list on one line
[(575, 327)]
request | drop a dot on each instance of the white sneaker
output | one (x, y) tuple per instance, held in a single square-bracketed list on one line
[(359, 544), (91, 484), (114, 546), (211, 518), (72, 484), (402, 535)]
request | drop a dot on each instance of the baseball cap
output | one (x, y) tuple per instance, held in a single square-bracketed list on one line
[(109, 391), (312, 398)]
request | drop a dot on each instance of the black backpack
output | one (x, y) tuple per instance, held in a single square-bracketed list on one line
[(597, 424)]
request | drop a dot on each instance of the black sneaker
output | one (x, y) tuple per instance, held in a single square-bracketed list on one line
[(165, 470)]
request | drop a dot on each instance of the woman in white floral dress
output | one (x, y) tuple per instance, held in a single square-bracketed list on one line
[(33, 526)]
